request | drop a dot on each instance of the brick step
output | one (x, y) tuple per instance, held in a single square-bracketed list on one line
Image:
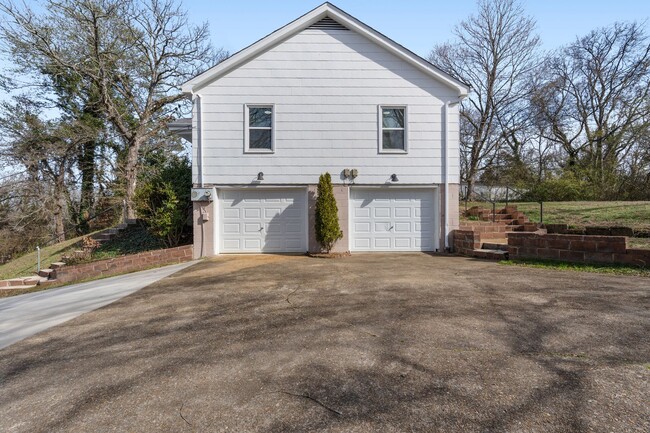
[(487, 228), (494, 235), (482, 253), (46, 273), (499, 246), (57, 265)]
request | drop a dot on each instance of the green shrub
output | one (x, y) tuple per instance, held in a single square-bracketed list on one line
[(163, 201), (328, 230), (564, 188)]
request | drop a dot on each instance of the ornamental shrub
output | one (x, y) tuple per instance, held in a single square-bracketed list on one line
[(328, 230), (163, 201)]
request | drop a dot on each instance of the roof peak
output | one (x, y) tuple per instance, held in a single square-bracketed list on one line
[(311, 18)]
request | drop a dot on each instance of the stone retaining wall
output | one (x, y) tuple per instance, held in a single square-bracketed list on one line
[(466, 241), (575, 248), (125, 264)]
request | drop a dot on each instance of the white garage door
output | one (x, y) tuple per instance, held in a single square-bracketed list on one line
[(263, 220), (391, 219)]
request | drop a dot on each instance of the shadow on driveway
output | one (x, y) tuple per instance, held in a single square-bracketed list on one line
[(407, 342)]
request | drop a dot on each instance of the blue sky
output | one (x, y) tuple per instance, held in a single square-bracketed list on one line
[(418, 25)]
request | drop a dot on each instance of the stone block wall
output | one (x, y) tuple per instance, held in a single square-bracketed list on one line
[(465, 241), (575, 248), (125, 264)]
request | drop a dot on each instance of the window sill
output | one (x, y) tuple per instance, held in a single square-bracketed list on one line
[(393, 151), (262, 151)]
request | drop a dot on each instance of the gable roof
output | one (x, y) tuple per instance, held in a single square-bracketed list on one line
[(324, 11)]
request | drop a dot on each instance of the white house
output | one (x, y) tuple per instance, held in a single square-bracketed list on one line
[(325, 93)]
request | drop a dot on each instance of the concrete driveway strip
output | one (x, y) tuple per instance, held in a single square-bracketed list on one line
[(25, 315)]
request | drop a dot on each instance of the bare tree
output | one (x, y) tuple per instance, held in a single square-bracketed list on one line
[(135, 53), (46, 150), (495, 52), (593, 101)]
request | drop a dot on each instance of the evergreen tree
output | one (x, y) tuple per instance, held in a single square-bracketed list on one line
[(328, 230)]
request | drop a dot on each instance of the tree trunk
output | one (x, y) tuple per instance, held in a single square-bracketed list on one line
[(87, 168), (59, 207), (131, 177)]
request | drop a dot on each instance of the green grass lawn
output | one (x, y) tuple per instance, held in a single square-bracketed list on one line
[(613, 269), (25, 266), (134, 239), (635, 214)]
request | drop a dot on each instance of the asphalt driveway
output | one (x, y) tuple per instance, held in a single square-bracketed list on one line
[(359, 344)]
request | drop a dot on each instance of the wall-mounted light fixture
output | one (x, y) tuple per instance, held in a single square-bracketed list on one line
[(260, 176), (393, 178)]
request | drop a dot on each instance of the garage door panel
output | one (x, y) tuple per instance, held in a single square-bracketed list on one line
[(232, 244), (401, 219), (231, 228), (402, 212), (403, 227), (362, 227), (231, 213), (252, 244), (382, 212), (252, 213), (362, 244), (362, 212), (403, 243), (251, 228), (382, 243), (263, 220)]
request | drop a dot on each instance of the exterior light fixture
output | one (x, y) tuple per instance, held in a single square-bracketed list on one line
[(260, 176), (393, 178)]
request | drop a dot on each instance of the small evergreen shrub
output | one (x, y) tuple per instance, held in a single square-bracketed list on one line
[(328, 230), (163, 201)]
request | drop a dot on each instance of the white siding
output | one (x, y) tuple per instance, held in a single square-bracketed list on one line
[(326, 87)]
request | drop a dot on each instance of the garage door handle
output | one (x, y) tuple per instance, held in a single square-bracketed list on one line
[(261, 228), (391, 227)]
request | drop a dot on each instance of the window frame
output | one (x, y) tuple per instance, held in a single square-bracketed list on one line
[(247, 128), (381, 129)]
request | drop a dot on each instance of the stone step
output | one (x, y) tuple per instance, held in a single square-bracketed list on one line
[(494, 235), (482, 253), (121, 226), (46, 273), (16, 281), (21, 287), (57, 265), (497, 246)]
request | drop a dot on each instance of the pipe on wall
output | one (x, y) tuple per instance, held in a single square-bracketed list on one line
[(199, 139)]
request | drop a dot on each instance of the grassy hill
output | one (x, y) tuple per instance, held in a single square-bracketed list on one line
[(25, 266)]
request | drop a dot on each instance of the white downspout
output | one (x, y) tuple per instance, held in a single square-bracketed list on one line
[(446, 174), (199, 140)]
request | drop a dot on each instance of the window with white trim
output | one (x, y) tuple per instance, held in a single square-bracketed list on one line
[(392, 122), (259, 121)]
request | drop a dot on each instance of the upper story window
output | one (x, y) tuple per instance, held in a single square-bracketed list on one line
[(259, 134), (392, 138)]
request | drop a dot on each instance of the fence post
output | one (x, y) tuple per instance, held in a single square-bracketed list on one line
[(38, 259), (541, 212), (494, 211)]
